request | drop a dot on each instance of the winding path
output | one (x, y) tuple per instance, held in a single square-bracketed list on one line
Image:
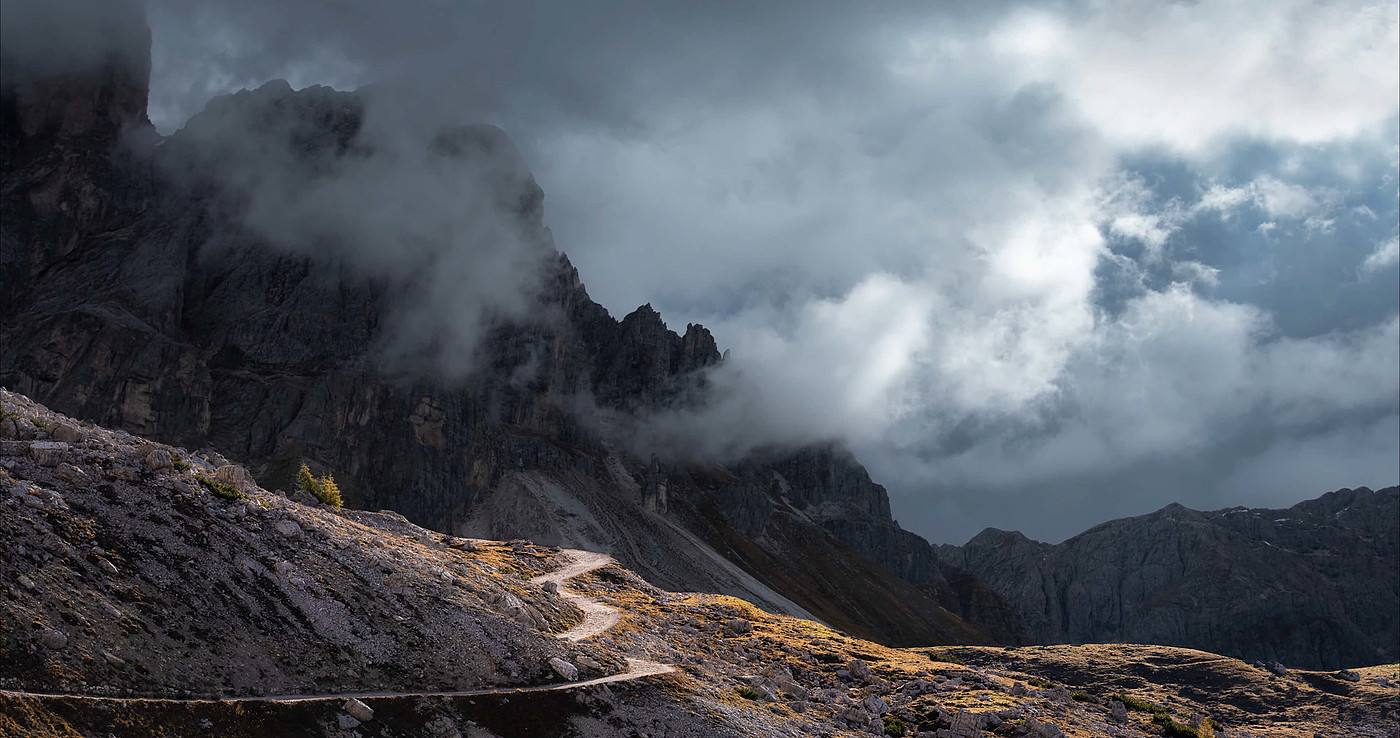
[(597, 618)]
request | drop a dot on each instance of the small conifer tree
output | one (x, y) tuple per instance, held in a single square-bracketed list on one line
[(330, 493), (324, 489)]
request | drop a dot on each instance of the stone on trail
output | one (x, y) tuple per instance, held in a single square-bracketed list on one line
[(564, 668), (358, 710)]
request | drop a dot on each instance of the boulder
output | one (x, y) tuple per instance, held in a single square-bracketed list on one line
[(67, 432), (159, 458), (859, 669), (72, 474), (564, 668), (551, 586), (738, 626), (1349, 675), (48, 453), (288, 528), (239, 477), (1118, 712), (302, 497), (874, 705), (54, 639), (358, 710)]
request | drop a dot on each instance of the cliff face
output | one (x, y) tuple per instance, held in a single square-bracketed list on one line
[(143, 289), (1313, 586)]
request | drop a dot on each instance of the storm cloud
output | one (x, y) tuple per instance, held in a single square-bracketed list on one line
[(1037, 264)]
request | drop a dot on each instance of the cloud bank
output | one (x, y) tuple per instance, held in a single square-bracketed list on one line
[(1038, 264)]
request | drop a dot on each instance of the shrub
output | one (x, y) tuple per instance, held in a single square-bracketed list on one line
[(945, 657), (220, 489), (1079, 695), (179, 463), (895, 727), (1162, 717), (324, 489), (747, 692), (1039, 683)]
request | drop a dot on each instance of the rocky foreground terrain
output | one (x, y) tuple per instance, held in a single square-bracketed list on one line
[(146, 590)]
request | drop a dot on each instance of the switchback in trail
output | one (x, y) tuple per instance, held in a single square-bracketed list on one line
[(597, 618)]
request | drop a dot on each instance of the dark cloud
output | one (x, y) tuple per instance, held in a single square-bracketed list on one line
[(46, 37), (1038, 264)]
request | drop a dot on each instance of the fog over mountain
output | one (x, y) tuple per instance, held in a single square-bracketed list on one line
[(1039, 265)]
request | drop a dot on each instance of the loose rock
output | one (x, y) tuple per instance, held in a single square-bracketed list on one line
[(48, 453), (358, 710), (67, 432), (158, 459), (72, 474), (564, 668), (738, 626)]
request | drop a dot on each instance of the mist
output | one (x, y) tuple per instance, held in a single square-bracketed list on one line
[(443, 214), (1036, 264)]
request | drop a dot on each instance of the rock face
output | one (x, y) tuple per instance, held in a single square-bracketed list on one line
[(1313, 586), (138, 290)]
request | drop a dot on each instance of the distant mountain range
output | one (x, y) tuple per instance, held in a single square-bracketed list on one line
[(1315, 586)]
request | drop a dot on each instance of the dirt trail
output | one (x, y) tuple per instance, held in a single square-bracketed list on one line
[(597, 618)]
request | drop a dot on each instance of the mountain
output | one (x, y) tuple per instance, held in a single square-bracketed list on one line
[(149, 591), (423, 340), (1313, 586)]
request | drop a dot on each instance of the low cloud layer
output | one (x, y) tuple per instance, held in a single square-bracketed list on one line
[(1039, 265), (443, 215)]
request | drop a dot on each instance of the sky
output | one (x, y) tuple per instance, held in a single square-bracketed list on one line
[(1038, 265)]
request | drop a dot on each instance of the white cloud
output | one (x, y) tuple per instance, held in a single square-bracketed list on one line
[(1187, 74), (1386, 255)]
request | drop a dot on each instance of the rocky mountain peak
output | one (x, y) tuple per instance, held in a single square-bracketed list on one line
[(81, 76)]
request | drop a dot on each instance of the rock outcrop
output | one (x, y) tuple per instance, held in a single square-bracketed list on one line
[(1312, 586), (188, 289)]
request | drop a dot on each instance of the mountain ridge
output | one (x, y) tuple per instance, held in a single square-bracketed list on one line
[(1311, 585)]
